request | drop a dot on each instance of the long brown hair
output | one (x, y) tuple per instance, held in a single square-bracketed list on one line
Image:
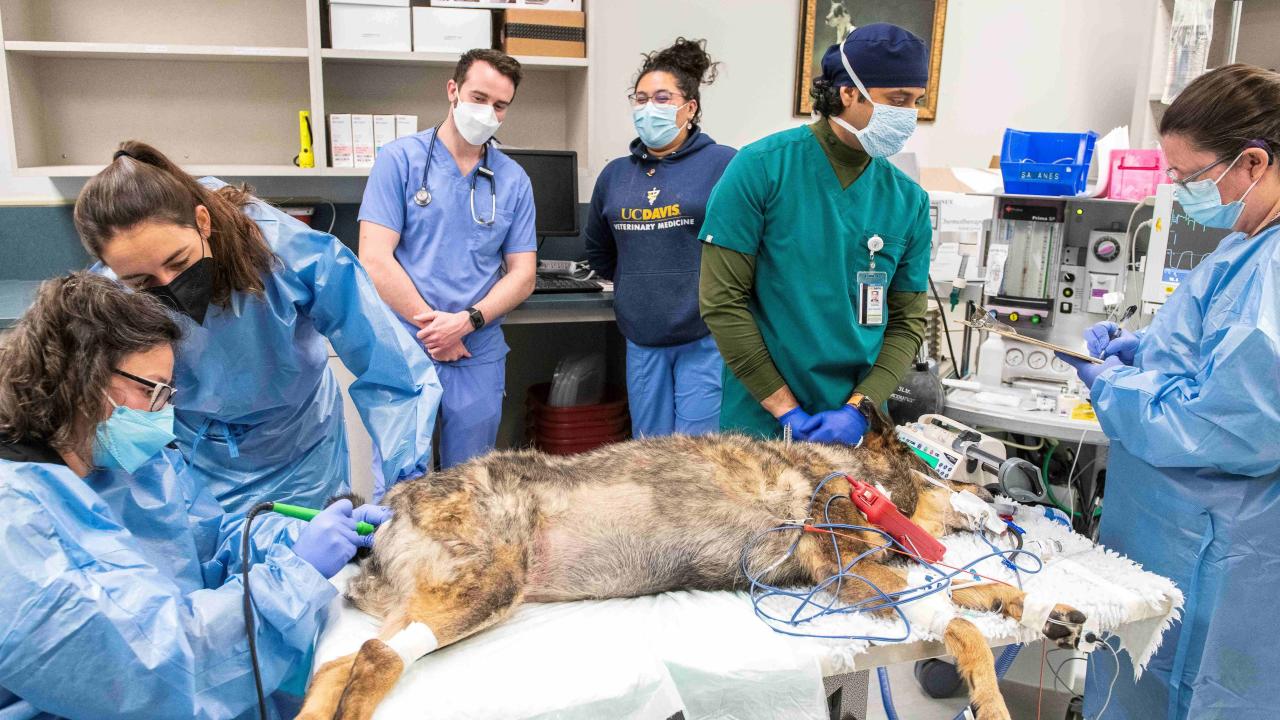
[(56, 363), (1225, 110), (142, 185)]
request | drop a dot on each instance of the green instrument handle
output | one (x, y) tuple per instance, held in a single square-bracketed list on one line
[(301, 513)]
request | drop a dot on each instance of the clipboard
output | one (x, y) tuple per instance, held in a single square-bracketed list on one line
[(1013, 334)]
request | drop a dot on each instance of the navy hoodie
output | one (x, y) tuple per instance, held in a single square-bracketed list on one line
[(642, 233)]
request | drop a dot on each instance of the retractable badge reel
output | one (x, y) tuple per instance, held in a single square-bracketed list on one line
[(872, 285)]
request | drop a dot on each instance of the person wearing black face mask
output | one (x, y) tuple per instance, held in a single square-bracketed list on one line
[(258, 413), (190, 292)]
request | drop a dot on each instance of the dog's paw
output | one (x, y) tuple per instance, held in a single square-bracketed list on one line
[(1064, 626)]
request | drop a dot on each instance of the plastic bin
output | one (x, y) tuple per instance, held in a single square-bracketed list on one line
[(1042, 163), (576, 429), (1135, 174)]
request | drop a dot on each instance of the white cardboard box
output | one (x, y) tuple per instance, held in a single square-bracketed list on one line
[(575, 5), (384, 131), (340, 140), (362, 140), (450, 30), (406, 125), (370, 25)]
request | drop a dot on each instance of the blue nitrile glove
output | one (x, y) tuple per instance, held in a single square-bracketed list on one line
[(1105, 339), (329, 541), (1087, 371), (844, 426), (794, 419), (375, 515)]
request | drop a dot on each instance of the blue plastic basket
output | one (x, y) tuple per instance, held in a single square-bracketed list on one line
[(1044, 163)]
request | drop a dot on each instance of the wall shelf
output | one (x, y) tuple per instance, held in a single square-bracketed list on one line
[(218, 86), (152, 51)]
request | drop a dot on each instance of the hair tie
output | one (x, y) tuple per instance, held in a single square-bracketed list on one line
[(122, 153)]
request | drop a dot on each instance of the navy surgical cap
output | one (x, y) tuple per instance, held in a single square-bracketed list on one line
[(883, 55)]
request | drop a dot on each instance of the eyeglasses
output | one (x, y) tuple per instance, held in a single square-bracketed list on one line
[(662, 97), (161, 394), (1169, 172)]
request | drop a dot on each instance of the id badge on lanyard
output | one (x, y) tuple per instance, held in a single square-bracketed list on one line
[(873, 285)]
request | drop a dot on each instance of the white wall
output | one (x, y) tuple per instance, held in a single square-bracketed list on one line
[(1029, 64)]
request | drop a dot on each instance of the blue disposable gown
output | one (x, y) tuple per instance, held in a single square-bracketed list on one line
[(1192, 491), (259, 414), (120, 596)]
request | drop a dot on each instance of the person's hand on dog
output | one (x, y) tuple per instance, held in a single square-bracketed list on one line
[(845, 426), (795, 419), (329, 540)]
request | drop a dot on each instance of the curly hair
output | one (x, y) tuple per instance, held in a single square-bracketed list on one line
[(690, 64), (142, 185), (57, 362)]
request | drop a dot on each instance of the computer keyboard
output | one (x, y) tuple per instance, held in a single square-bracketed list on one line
[(561, 284)]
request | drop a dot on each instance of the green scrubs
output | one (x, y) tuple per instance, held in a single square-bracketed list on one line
[(781, 202)]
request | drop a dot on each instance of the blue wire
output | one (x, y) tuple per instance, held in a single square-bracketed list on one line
[(879, 601)]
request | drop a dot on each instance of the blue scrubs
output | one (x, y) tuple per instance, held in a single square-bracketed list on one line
[(454, 262), (1193, 488), (122, 595), (258, 412), (674, 389)]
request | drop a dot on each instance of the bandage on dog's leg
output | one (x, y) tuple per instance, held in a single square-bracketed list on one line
[(976, 665)]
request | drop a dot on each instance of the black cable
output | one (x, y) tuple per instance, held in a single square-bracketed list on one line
[(248, 603), (955, 359)]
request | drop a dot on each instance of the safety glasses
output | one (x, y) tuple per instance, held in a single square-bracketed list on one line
[(1169, 172), (161, 394)]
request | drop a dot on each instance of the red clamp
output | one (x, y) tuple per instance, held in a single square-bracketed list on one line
[(882, 513)]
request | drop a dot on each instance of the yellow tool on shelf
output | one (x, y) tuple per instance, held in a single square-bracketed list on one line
[(306, 158)]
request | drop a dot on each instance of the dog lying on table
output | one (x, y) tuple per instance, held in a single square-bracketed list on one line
[(466, 546)]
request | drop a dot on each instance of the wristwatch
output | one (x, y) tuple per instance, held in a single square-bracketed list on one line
[(862, 404), (477, 318)]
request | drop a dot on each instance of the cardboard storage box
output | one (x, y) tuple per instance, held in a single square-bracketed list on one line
[(545, 33), (370, 25), (442, 29)]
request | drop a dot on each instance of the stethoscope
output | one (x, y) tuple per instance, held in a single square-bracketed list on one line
[(422, 197)]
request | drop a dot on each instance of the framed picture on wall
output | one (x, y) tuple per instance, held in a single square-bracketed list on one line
[(824, 23)]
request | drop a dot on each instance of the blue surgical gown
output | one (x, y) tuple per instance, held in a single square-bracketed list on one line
[(259, 414), (1192, 488), (120, 596)]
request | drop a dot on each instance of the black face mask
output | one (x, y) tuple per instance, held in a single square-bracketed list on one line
[(190, 292)]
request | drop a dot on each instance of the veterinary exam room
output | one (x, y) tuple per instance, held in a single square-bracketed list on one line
[(639, 359)]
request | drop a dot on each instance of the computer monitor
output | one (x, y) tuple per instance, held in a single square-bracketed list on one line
[(1177, 246), (554, 175)]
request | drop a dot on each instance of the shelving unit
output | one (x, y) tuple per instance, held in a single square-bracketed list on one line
[(1260, 22), (217, 86)]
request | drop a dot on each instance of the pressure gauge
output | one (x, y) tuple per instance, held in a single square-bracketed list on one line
[(1014, 358), (1037, 360), (1106, 248), (1058, 366)]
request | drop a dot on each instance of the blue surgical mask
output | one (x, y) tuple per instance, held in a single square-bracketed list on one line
[(656, 124), (1202, 201), (130, 438), (890, 126)]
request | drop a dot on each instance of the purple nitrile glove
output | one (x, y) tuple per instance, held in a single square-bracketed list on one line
[(1106, 339), (375, 515), (329, 540), (1087, 371), (794, 419)]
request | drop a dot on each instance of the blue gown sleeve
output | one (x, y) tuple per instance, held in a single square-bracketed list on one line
[(1225, 416), (89, 629), (396, 389)]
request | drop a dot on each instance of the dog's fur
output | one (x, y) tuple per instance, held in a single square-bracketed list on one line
[(467, 545)]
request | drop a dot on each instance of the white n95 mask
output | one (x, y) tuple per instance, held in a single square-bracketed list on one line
[(476, 122), (888, 129)]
